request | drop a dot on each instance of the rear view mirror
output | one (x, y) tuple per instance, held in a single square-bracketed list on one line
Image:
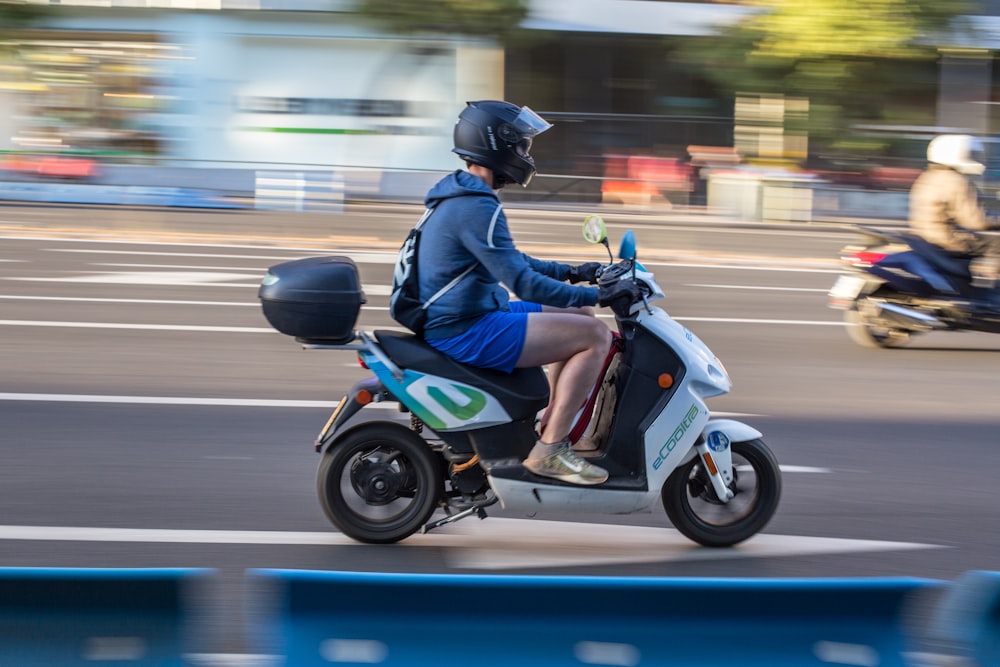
[(594, 229)]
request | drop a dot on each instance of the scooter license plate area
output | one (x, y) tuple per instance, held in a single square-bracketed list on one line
[(846, 289)]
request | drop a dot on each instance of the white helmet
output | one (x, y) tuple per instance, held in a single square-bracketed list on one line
[(962, 152)]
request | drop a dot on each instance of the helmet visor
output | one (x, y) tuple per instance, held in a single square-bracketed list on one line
[(529, 124), (977, 152)]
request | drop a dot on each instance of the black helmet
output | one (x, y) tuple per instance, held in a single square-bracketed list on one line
[(497, 135)]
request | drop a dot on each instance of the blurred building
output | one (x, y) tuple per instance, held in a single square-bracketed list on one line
[(204, 83), (305, 84)]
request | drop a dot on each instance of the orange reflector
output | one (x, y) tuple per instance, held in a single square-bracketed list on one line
[(710, 464), (666, 380), (364, 397)]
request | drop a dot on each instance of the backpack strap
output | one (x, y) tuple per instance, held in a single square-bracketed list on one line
[(454, 281), (424, 217)]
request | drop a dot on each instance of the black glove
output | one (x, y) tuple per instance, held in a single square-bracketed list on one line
[(584, 273), (619, 296)]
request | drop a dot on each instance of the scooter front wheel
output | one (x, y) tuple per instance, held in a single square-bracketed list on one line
[(696, 511), (379, 482)]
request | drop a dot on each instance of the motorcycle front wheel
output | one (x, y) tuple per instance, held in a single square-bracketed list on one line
[(380, 482), (696, 511)]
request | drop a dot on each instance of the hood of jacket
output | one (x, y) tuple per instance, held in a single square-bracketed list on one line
[(458, 184)]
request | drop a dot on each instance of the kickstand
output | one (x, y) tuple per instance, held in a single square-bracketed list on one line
[(479, 509)]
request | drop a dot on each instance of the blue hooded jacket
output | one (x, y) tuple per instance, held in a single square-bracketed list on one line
[(467, 227)]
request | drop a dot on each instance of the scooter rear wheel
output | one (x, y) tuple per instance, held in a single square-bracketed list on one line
[(868, 333), (696, 511), (379, 482)]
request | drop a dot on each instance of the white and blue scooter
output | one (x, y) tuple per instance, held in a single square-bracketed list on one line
[(381, 480)]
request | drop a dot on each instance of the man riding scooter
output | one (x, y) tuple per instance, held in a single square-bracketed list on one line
[(944, 205)]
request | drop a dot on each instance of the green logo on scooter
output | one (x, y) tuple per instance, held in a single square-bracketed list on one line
[(445, 404), (675, 437), (474, 406)]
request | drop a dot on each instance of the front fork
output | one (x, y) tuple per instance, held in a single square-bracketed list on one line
[(714, 448), (717, 457)]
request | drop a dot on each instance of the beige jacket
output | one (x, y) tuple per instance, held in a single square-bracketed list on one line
[(944, 209)]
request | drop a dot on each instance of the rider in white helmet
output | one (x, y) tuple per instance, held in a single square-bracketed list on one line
[(944, 204)]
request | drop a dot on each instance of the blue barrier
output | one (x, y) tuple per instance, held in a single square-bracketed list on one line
[(108, 195), (73, 617), (319, 618), (966, 622)]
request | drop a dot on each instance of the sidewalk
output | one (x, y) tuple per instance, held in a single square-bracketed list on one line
[(380, 226)]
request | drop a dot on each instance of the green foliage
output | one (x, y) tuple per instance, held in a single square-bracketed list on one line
[(834, 29), (481, 18), (871, 61)]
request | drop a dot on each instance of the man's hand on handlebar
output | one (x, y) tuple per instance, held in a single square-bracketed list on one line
[(584, 273), (619, 295)]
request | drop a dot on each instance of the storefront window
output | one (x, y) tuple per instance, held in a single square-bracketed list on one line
[(90, 98)]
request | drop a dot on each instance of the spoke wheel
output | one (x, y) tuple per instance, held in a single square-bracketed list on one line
[(696, 511), (379, 483)]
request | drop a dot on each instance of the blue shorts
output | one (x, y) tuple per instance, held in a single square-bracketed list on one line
[(494, 341)]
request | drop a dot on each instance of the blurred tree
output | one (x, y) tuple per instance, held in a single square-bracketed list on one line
[(486, 18), (16, 14), (855, 62)]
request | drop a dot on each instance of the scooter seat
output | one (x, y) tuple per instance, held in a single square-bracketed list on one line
[(522, 393), (953, 263)]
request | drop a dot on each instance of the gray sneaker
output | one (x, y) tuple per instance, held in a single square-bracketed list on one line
[(567, 466)]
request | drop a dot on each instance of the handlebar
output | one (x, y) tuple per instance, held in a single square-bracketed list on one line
[(621, 271), (616, 271)]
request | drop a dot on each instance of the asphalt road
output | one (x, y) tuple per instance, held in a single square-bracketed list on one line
[(151, 417)]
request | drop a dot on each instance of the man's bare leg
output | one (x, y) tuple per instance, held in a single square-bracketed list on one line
[(580, 342)]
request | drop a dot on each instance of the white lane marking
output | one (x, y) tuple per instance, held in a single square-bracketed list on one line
[(389, 257), (178, 400), (97, 534), (196, 267), (191, 327), (520, 543), (360, 256), (238, 402), (153, 327), (160, 243), (803, 469), (741, 320), (744, 267), (163, 302), (498, 543), (149, 253), (763, 287), (376, 290), (153, 278), (279, 403)]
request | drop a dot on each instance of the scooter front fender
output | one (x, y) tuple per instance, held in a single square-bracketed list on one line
[(732, 429)]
